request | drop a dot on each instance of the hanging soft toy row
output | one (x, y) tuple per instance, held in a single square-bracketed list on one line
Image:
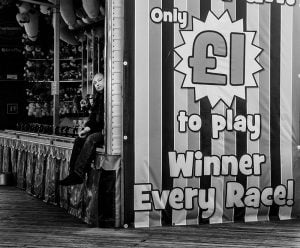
[(77, 13), (74, 14), (65, 33), (93, 8)]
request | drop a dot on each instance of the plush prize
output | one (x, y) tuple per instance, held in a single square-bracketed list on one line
[(38, 110), (31, 109)]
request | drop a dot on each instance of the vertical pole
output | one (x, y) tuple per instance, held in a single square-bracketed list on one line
[(87, 64), (128, 165), (93, 59), (55, 83), (82, 64), (98, 55), (108, 71)]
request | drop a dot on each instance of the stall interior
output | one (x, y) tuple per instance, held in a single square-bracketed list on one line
[(36, 149), (81, 56)]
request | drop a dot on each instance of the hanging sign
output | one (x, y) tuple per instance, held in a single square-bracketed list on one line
[(12, 108)]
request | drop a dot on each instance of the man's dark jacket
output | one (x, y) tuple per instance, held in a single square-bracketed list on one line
[(96, 118)]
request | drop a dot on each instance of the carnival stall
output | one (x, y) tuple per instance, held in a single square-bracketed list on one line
[(202, 106)]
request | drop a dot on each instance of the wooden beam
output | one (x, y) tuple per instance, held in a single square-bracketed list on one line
[(41, 3)]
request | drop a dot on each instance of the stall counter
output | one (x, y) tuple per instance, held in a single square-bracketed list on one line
[(37, 162)]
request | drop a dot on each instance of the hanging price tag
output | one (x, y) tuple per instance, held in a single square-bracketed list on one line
[(55, 88)]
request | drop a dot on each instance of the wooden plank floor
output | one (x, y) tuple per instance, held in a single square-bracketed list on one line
[(29, 222)]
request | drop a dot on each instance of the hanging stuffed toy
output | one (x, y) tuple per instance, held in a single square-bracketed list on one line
[(84, 105), (68, 13), (45, 10), (82, 15), (92, 8), (66, 34), (28, 18), (99, 32), (67, 19)]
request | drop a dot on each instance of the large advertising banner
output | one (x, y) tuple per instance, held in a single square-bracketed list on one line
[(217, 111)]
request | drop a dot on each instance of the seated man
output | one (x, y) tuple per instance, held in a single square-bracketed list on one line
[(88, 138)]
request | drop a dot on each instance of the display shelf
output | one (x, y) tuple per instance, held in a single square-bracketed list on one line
[(67, 59), (78, 115), (35, 59), (70, 81), (39, 81), (51, 81), (77, 66), (7, 80)]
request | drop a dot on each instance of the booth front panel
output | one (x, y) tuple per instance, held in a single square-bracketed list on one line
[(37, 165), (216, 111)]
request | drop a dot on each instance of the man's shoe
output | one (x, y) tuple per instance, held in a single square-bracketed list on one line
[(72, 179)]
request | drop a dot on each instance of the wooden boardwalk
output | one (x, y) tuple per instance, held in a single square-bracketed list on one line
[(28, 222)]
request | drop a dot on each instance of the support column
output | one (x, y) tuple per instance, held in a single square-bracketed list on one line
[(55, 83)]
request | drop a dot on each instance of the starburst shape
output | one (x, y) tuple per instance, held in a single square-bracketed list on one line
[(219, 65)]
